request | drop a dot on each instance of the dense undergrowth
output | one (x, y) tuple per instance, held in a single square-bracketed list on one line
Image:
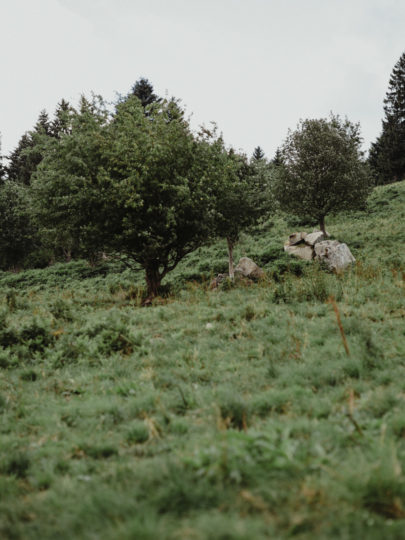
[(244, 412)]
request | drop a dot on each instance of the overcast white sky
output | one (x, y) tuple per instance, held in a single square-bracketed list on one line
[(253, 66)]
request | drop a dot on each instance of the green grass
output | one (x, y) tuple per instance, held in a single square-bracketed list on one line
[(227, 414)]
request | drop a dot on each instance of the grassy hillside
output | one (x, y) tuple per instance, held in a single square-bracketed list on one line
[(235, 413)]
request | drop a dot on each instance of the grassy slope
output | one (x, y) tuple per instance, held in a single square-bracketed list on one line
[(214, 414)]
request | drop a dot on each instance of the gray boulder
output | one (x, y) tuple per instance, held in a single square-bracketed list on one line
[(249, 268), (315, 237), (335, 255), (296, 238), (302, 251)]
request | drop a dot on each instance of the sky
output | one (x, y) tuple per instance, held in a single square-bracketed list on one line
[(255, 67)]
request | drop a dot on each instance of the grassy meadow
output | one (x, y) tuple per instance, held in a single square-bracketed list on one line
[(258, 410)]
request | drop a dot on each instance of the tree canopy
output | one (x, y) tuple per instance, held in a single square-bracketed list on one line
[(134, 185), (322, 169), (387, 154)]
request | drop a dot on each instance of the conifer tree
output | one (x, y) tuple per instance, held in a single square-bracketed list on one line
[(20, 167), (25, 158), (387, 154), (278, 158), (258, 154), (143, 90), (61, 124), (2, 167)]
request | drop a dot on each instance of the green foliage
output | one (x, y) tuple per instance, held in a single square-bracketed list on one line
[(387, 153), (143, 90), (233, 413), (17, 233), (322, 169), (134, 185)]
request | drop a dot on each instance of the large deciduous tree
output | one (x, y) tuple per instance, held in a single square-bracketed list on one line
[(134, 185), (387, 154), (322, 169)]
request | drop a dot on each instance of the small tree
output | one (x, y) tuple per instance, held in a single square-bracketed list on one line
[(242, 198), (322, 169)]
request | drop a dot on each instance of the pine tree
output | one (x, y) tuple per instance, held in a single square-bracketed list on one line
[(20, 168), (278, 158), (2, 167), (43, 124), (28, 154), (61, 124), (143, 90), (387, 154), (258, 154)]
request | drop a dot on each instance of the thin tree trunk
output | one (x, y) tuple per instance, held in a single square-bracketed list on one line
[(322, 225), (153, 279), (230, 258)]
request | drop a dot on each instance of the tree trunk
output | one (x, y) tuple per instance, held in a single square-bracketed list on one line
[(153, 279), (322, 225), (230, 258)]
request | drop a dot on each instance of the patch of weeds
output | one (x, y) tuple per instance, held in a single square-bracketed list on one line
[(62, 467), (370, 351), (3, 403), (398, 426), (385, 495), (352, 369), (11, 299), (234, 411), (184, 402), (228, 284), (62, 310), (271, 401), (249, 312), (178, 426), (36, 336), (98, 452), (138, 433), (29, 375), (381, 402), (70, 349), (17, 465)]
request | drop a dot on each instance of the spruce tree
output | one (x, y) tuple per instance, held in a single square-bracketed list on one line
[(258, 154), (2, 167), (387, 154), (25, 158), (143, 90), (20, 166), (61, 124), (278, 158)]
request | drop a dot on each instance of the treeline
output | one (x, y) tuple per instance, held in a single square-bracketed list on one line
[(135, 182)]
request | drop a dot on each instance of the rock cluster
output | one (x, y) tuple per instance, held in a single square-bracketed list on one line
[(334, 254), (246, 268)]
